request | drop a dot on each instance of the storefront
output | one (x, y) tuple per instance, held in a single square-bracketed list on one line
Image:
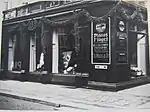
[(106, 39)]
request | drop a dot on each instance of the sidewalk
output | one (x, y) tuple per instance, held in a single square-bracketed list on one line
[(80, 99)]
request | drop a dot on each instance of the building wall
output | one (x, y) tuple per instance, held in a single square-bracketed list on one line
[(15, 3)]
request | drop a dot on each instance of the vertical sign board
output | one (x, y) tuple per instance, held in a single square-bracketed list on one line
[(121, 41), (100, 43)]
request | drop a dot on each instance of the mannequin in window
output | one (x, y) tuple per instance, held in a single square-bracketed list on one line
[(70, 63), (40, 66)]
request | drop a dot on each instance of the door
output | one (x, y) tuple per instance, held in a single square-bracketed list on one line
[(11, 48), (137, 52), (141, 53)]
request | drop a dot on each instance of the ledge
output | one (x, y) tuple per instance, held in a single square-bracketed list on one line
[(78, 80), (119, 86)]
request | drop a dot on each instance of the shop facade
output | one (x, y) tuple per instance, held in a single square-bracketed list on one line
[(106, 39)]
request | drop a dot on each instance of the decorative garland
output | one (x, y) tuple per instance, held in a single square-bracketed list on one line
[(135, 15), (55, 23), (32, 25), (75, 16), (77, 37)]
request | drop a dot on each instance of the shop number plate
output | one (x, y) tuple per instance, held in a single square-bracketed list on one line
[(101, 67)]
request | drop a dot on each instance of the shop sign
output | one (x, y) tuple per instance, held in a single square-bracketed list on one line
[(50, 4), (22, 12), (121, 26), (10, 15), (100, 42), (121, 41)]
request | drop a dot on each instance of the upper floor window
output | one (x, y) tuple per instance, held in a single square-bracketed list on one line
[(35, 8)]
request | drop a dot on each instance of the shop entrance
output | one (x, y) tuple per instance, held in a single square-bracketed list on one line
[(11, 51), (137, 53)]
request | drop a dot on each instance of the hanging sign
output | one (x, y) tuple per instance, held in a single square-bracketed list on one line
[(121, 41), (100, 42)]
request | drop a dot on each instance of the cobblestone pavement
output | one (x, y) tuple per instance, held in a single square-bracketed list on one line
[(80, 97), (107, 99)]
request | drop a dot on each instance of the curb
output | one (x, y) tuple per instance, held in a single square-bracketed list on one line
[(55, 105), (30, 99)]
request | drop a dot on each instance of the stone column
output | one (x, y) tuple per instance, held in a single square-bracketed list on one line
[(147, 51), (26, 56), (47, 46), (77, 37), (4, 48)]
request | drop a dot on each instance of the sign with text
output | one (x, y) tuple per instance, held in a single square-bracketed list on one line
[(121, 41), (101, 67), (100, 42)]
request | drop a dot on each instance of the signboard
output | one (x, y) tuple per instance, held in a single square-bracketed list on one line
[(10, 15), (121, 41), (100, 42), (22, 12), (101, 67), (50, 4)]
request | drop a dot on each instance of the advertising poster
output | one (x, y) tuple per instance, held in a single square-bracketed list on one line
[(101, 42), (121, 41)]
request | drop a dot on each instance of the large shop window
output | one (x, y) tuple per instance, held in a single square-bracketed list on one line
[(17, 63), (17, 53), (66, 48), (62, 39)]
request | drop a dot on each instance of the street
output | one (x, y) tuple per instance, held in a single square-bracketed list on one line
[(49, 96), (8, 103)]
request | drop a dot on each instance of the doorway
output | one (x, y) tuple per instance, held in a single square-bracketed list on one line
[(11, 51), (137, 52)]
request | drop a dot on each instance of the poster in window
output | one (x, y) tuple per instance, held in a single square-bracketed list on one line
[(101, 42)]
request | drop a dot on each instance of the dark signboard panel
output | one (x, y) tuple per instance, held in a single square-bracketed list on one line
[(100, 42), (121, 41)]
